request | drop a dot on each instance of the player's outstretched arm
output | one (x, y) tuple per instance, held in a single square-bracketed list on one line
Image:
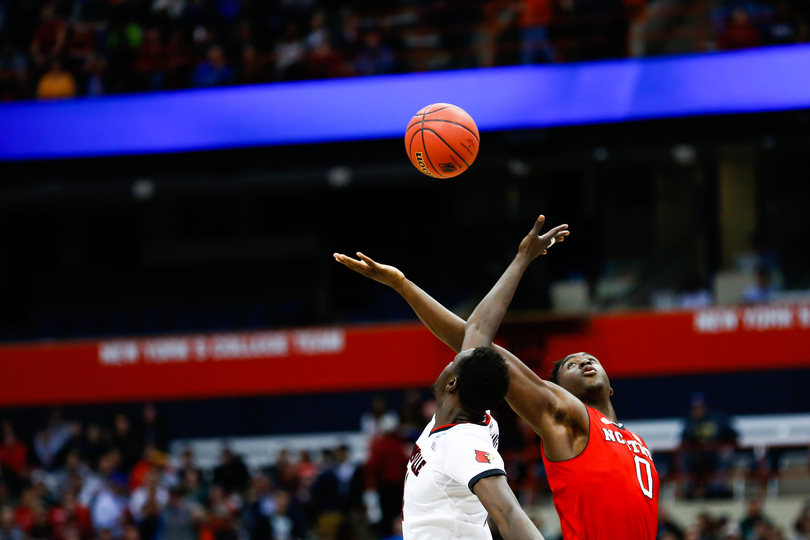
[(445, 325), (542, 404), (484, 322), (503, 508)]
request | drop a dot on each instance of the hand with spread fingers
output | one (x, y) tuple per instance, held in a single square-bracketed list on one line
[(385, 274), (536, 244)]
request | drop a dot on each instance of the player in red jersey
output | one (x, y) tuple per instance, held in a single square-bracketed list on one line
[(602, 476)]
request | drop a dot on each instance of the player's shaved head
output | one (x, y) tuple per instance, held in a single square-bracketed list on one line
[(483, 380)]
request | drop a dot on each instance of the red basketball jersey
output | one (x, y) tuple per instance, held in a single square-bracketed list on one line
[(610, 490)]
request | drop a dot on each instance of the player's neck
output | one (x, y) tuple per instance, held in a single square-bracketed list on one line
[(602, 405), (454, 413)]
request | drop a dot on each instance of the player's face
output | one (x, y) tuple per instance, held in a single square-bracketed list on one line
[(447, 378), (582, 374)]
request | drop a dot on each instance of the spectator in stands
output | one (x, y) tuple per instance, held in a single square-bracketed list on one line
[(15, 80), (740, 32), (125, 441), (63, 478), (751, 526), (761, 291), (282, 526), (94, 484), (259, 504), (9, 529), (124, 38), (282, 473), (146, 504), (385, 475), (707, 446), (380, 419), (411, 415), (50, 441), (694, 294), (69, 516), (396, 530), (188, 468), (172, 9), (192, 484), (290, 54), (318, 33), (345, 471), (13, 453), (326, 502), (232, 474), (109, 507), (80, 45), (253, 68), (49, 38), (535, 18), (26, 510), (783, 25), (214, 70), (40, 528), (375, 58), (325, 62), (222, 514), (802, 525), (150, 66), (667, 528), (180, 518), (93, 446)]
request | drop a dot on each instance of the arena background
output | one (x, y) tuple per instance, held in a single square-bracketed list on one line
[(176, 175)]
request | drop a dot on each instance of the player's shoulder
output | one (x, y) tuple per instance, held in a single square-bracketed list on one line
[(457, 437)]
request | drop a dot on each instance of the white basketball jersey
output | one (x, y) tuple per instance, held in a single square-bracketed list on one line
[(446, 463)]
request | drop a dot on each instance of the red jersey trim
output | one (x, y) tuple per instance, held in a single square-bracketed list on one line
[(448, 426), (587, 410)]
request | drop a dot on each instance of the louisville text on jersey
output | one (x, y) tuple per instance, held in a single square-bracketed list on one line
[(417, 461)]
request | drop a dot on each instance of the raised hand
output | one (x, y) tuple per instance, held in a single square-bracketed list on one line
[(385, 274), (535, 244)]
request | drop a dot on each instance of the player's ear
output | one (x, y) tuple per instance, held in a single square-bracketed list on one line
[(611, 391), (452, 384)]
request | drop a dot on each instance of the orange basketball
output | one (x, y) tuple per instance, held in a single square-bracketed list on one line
[(442, 140)]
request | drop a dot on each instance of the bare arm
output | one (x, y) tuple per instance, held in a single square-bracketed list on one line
[(484, 322), (503, 508), (545, 406), (445, 325)]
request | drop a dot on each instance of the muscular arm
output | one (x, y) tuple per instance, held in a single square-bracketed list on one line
[(552, 412), (503, 508), (484, 322)]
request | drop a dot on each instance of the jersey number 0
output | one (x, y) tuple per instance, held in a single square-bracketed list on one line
[(643, 463)]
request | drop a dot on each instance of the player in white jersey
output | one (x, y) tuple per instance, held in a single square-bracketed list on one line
[(455, 476)]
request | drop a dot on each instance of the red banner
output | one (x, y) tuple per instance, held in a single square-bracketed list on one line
[(705, 341), (391, 356), (256, 363)]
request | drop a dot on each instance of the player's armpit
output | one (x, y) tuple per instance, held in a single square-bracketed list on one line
[(504, 509)]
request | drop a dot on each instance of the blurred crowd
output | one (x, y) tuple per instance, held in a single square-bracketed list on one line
[(755, 525), (69, 481), (117, 481), (66, 48)]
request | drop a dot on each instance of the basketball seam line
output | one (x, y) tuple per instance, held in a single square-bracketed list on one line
[(424, 148), (450, 122), (448, 146), (437, 110)]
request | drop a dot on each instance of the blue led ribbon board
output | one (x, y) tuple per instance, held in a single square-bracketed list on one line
[(757, 80)]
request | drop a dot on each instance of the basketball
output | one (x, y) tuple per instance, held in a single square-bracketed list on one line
[(442, 140)]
